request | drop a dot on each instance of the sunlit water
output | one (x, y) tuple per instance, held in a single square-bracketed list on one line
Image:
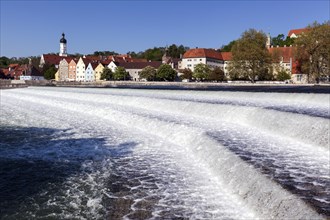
[(152, 154)]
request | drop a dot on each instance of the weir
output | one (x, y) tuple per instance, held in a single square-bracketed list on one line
[(264, 154)]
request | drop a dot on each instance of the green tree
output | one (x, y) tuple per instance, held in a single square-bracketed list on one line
[(155, 54), (283, 75), (251, 59), (201, 72), (175, 51), (103, 53), (165, 73), (281, 42), (313, 51), (186, 74), (217, 74), (106, 74), (227, 48), (50, 72), (121, 74), (4, 62), (148, 73)]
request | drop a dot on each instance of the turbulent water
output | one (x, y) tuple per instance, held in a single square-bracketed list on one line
[(70, 153)]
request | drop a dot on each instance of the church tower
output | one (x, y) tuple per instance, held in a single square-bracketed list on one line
[(166, 59), (268, 43), (63, 46)]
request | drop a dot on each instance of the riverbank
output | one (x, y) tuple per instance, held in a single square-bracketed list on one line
[(202, 86)]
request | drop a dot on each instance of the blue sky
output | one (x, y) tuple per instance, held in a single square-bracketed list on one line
[(31, 28)]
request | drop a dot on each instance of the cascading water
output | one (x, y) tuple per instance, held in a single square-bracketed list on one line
[(139, 154)]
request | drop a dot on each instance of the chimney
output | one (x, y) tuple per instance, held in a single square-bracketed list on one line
[(277, 46), (290, 45), (284, 45), (180, 55)]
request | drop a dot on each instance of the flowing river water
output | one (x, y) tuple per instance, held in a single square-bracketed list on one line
[(83, 153)]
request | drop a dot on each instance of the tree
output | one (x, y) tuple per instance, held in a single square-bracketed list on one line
[(103, 53), (283, 75), (174, 51), (4, 62), (121, 74), (251, 59), (281, 42), (156, 53), (148, 73), (227, 48), (106, 74), (217, 74), (186, 74), (201, 72), (313, 51), (50, 72), (165, 73)]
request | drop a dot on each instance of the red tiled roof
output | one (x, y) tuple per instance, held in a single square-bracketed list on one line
[(288, 56), (94, 65), (297, 31), (226, 55), (55, 59), (139, 65), (201, 52), (138, 60), (5, 71), (285, 52), (94, 58), (105, 62), (14, 65)]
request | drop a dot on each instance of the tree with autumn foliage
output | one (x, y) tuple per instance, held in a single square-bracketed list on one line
[(313, 51)]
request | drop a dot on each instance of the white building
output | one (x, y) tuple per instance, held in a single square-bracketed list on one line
[(210, 57), (80, 69)]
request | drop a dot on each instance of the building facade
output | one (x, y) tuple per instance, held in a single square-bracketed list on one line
[(72, 70), (80, 70), (63, 70), (210, 57), (98, 71)]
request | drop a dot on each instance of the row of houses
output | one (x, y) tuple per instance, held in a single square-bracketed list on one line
[(21, 72), (90, 68)]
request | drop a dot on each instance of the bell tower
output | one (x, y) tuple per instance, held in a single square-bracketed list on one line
[(63, 46), (268, 42)]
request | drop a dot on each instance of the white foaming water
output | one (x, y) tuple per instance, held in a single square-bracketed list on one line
[(199, 155)]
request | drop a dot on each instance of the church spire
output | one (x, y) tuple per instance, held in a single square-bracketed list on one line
[(63, 46)]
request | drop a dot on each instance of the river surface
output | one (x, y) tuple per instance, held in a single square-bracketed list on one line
[(83, 153)]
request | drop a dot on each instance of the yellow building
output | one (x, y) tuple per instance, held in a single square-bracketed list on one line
[(57, 76), (98, 71)]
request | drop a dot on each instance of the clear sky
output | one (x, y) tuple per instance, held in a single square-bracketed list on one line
[(31, 28)]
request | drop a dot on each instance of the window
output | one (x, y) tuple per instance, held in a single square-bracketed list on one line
[(299, 77), (200, 59)]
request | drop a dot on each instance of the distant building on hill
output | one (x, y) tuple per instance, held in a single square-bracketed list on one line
[(294, 33)]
